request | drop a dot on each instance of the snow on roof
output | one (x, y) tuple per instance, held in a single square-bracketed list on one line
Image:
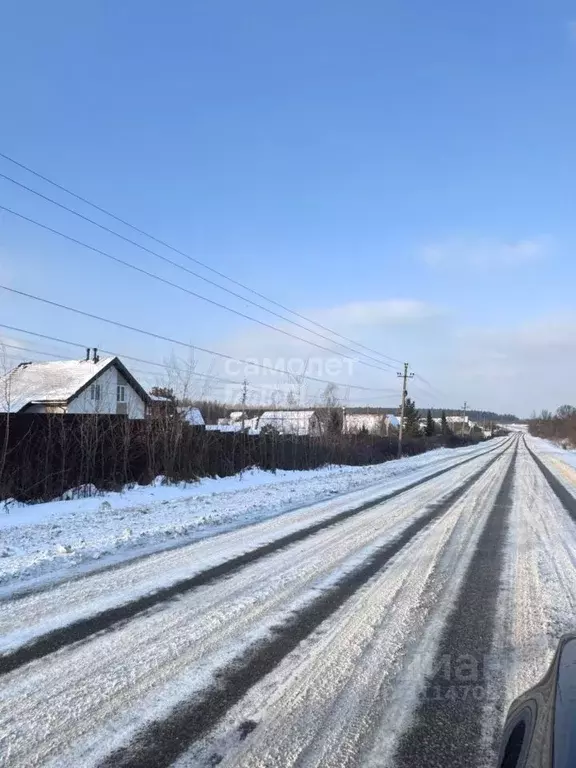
[(50, 382), (356, 422), (289, 422), (193, 417), (236, 415)]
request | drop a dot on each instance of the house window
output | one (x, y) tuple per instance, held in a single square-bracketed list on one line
[(120, 393), (95, 392)]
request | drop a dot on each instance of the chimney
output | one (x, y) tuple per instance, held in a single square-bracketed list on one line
[(87, 354), (95, 357)]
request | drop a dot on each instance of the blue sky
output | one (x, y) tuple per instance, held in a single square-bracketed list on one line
[(403, 172)]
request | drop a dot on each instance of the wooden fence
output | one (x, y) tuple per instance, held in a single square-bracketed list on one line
[(42, 456)]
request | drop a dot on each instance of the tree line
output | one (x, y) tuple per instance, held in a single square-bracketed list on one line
[(559, 426)]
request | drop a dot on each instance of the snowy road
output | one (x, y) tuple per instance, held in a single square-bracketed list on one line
[(389, 626)]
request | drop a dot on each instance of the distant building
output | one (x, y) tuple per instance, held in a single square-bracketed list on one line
[(223, 427), (161, 407), (93, 385), (191, 416), (392, 422), (458, 424), (235, 416), (373, 423), (291, 422)]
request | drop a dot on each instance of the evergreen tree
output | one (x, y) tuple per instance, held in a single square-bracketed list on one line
[(445, 429), (430, 425), (411, 419)]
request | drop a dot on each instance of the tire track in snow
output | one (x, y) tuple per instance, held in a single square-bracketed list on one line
[(59, 710), (567, 499), (83, 628), (163, 740), (355, 680), (447, 728), (538, 602)]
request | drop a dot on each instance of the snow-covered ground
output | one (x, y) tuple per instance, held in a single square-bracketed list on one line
[(49, 540), (353, 690), (72, 707), (562, 462), (550, 448)]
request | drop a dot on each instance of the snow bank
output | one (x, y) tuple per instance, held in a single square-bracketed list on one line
[(561, 461), (56, 538), (553, 449)]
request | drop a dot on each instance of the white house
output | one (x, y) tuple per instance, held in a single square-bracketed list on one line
[(94, 385), (237, 428), (360, 422), (291, 422)]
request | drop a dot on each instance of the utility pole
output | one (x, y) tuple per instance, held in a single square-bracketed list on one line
[(404, 376), (244, 398), (464, 409)]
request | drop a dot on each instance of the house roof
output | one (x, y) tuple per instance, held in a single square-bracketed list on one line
[(193, 417), (57, 381)]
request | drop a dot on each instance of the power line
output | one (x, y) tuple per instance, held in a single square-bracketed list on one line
[(430, 386), (185, 269), (215, 381), (185, 290), (211, 379), (176, 341), (56, 356), (114, 354), (425, 394)]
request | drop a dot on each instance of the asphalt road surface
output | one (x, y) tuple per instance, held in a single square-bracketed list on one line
[(388, 629)]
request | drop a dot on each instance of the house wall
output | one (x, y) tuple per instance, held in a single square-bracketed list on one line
[(108, 380), (357, 422)]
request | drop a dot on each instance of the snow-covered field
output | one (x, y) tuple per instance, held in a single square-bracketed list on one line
[(47, 540)]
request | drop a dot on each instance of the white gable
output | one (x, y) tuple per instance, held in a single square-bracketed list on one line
[(51, 382), (289, 422)]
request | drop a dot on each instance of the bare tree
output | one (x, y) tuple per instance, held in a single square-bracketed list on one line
[(5, 400), (292, 399), (565, 412), (209, 381), (330, 396)]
